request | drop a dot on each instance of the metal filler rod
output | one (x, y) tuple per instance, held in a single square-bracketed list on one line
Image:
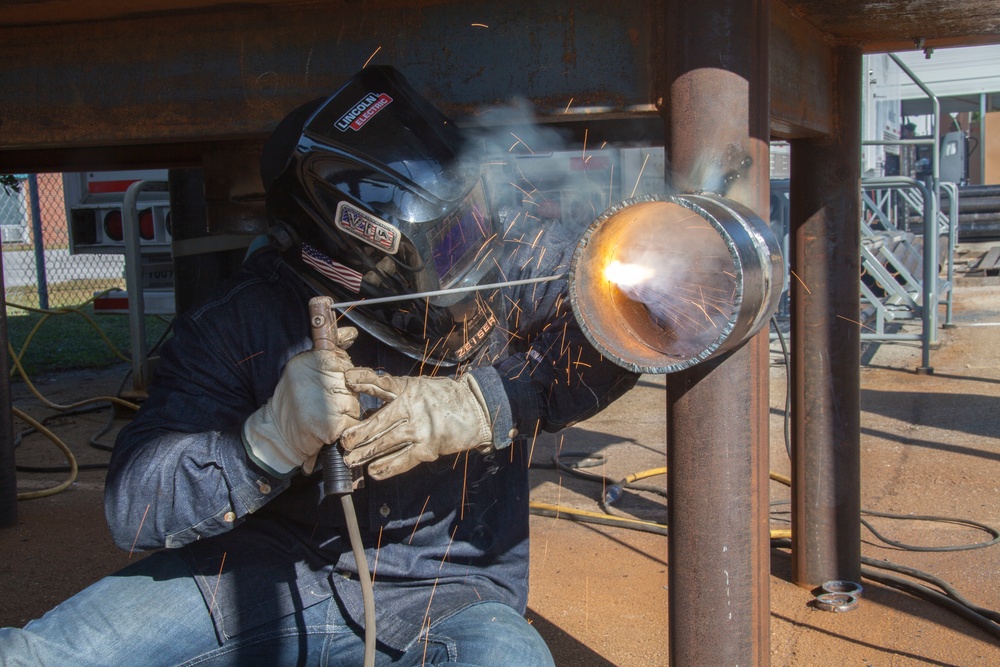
[(343, 305)]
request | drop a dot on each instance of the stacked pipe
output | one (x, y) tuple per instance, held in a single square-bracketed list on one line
[(978, 211)]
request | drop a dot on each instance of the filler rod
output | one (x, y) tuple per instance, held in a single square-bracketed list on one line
[(443, 292)]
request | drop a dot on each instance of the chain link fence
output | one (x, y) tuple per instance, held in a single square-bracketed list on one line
[(39, 269)]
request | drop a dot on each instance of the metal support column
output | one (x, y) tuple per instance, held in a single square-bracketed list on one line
[(8, 472), (716, 123), (826, 347)]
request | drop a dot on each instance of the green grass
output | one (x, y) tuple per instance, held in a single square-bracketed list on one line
[(71, 342)]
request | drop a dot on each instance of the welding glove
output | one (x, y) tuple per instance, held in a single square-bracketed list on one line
[(310, 407), (423, 418)]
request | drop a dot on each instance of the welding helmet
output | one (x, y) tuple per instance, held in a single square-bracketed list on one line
[(372, 193)]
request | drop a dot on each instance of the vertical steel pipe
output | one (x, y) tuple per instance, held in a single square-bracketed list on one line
[(716, 131), (826, 339), (39, 241), (8, 473)]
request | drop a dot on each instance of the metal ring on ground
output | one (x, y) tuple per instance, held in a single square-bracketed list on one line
[(836, 602), (843, 586)]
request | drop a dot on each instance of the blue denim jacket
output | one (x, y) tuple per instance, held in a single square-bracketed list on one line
[(439, 538)]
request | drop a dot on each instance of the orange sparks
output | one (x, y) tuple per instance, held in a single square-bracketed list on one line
[(255, 354), (639, 177), (138, 530), (566, 110), (479, 25), (418, 519), (371, 56), (558, 499), (465, 481), (800, 281), (519, 141), (217, 580), (856, 322), (448, 550), (534, 438), (378, 547)]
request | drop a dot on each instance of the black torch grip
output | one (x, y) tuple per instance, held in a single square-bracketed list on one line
[(337, 477)]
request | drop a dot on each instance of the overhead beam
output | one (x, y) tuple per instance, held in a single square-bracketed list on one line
[(152, 88), (233, 73)]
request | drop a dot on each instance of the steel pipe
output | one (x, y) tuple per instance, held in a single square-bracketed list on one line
[(826, 349), (661, 283), (716, 123)]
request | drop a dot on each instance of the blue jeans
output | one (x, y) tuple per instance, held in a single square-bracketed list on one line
[(151, 613)]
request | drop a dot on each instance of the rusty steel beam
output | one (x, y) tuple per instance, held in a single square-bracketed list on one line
[(147, 90), (716, 75), (799, 60), (825, 361), (235, 71)]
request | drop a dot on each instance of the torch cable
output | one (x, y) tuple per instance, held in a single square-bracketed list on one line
[(367, 587)]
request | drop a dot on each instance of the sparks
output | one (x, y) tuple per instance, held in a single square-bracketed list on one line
[(639, 177), (138, 530), (371, 56), (217, 580)]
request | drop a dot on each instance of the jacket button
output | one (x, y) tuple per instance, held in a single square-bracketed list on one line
[(265, 488), (384, 510), (229, 517)]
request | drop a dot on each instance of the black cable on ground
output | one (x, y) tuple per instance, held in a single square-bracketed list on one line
[(937, 581), (952, 601), (937, 598), (941, 519)]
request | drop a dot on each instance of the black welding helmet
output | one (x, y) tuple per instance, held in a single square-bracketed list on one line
[(373, 192)]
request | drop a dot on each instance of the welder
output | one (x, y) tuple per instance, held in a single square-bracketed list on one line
[(371, 192)]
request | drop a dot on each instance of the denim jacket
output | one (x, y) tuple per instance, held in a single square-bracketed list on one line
[(439, 538)]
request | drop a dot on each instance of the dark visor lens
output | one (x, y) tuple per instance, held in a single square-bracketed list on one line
[(461, 238)]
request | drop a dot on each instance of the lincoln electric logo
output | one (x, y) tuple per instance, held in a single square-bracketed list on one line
[(363, 111)]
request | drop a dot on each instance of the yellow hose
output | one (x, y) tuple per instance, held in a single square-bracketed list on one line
[(19, 369), (20, 414)]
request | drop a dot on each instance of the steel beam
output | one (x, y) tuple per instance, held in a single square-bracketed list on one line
[(825, 364), (236, 70), (716, 122), (129, 90)]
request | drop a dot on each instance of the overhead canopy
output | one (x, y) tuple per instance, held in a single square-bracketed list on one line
[(958, 76)]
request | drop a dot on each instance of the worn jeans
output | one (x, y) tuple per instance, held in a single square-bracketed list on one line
[(152, 613)]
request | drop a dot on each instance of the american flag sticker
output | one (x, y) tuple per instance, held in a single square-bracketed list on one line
[(335, 271)]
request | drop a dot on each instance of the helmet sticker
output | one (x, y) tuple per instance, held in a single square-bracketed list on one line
[(366, 227), (363, 111), (335, 271), (478, 337)]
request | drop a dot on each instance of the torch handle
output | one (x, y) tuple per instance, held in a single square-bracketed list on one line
[(337, 478)]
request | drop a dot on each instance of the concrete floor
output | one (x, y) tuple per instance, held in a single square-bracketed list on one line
[(930, 445)]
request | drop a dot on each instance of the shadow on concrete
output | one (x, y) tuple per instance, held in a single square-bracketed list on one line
[(898, 601), (566, 650)]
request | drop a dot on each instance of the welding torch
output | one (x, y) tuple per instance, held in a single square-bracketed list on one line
[(337, 477)]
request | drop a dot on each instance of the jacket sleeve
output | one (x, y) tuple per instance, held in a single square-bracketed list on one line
[(179, 471), (555, 378)]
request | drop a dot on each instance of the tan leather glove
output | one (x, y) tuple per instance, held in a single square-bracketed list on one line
[(310, 408), (423, 419)]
